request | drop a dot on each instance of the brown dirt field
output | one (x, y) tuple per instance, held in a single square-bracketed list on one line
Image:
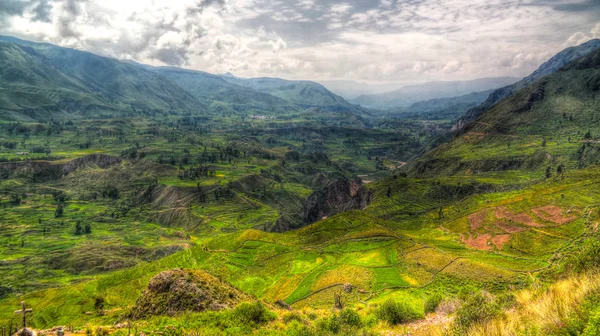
[(523, 218), (480, 242), (476, 219), (500, 240), (502, 212), (553, 214), (509, 228)]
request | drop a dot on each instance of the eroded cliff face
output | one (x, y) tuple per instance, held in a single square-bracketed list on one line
[(48, 170), (336, 197)]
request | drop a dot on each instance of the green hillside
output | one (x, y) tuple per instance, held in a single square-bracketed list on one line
[(275, 214)]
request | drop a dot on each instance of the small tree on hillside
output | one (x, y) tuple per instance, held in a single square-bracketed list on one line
[(58, 213), (78, 228), (548, 172)]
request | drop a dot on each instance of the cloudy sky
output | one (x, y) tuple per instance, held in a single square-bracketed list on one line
[(365, 40)]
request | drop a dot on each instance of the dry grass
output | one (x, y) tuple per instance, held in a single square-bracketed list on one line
[(540, 312)]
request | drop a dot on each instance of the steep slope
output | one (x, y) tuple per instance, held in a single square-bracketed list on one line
[(415, 93), (444, 108), (549, 124), (551, 66), (44, 82)]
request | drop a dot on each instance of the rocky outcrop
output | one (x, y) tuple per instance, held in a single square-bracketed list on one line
[(48, 170), (336, 197), (182, 290), (94, 160)]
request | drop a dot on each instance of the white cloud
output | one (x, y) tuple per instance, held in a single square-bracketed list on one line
[(386, 40)]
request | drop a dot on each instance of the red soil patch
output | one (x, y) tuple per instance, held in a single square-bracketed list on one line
[(476, 219), (523, 218), (480, 242), (502, 212), (500, 240), (553, 214), (509, 228)]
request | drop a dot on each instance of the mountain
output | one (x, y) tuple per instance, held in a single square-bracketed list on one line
[(551, 123), (549, 67), (44, 82), (222, 95), (408, 95), (351, 89), (444, 108), (306, 94)]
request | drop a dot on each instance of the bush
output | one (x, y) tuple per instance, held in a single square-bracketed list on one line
[(253, 313), (478, 308), (293, 316), (394, 312), (350, 317), (432, 302), (100, 331), (331, 324), (588, 257)]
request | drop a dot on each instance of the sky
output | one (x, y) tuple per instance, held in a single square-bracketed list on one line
[(376, 41)]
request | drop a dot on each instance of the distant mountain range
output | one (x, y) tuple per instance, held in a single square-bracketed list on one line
[(409, 95), (42, 82), (350, 89), (442, 108)]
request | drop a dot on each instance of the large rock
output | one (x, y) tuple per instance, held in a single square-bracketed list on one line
[(337, 196), (182, 290)]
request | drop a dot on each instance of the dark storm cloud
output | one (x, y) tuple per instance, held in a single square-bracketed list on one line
[(569, 6), (177, 56), (42, 11)]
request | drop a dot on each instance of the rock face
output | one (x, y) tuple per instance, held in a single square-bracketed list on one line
[(337, 196), (47, 170), (551, 66), (180, 290)]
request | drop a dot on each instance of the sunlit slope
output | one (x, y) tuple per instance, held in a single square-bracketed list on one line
[(492, 239), (551, 123)]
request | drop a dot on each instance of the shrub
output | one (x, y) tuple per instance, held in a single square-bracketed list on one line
[(478, 308), (432, 302), (331, 324), (297, 329), (293, 316), (101, 331), (588, 257), (253, 313), (394, 312), (350, 317)]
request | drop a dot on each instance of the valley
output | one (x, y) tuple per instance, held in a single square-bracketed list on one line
[(158, 200)]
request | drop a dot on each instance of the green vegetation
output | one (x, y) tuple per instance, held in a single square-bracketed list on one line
[(299, 220)]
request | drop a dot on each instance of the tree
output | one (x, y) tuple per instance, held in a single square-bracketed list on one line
[(560, 169), (548, 172), (78, 229), (389, 192), (87, 228), (544, 142), (59, 210)]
